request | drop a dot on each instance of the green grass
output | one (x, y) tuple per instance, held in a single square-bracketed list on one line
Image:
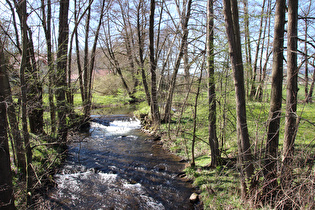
[(220, 187)]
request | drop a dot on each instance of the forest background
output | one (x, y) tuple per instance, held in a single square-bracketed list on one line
[(228, 85)]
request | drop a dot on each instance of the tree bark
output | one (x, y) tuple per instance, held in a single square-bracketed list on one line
[(213, 140), (6, 192), (154, 102), (271, 154), (235, 49), (25, 64), (46, 22), (34, 93), (61, 81), (14, 125), (141, 22), (292, 89)]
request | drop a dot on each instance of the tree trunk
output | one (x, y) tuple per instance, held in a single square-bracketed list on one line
[(6, 192), (213, 140), (25, 63), (233, 34), (169, 100), (46, 22), (292, 89), (86, 75), (253, 79), (195, 117), (61, 81), (252, 71), (34, 93), (154, 102), (271, 154), (92, 62), (14, 125), (141, 22)]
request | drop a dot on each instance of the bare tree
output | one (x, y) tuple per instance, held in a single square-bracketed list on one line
[(61, 80), (46, 23), (141, 32), (213, 140), (6, 192), (21, 8), (154, 102), (34, 86), (185, 20), (271, 154), (291, 102), (235, 49)]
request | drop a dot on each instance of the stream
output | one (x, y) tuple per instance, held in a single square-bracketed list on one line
[(116, 166)]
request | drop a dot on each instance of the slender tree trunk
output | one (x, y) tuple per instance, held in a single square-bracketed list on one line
[(252, 71), (253, 79), (310, 93), (129, 48), (86, 75), (169, 100), (292, 89), (92, 61), (262, 71), (61, 82), (141, 22), (307, 99), (21, 8), (6, 192), (213, 140), (233, 34), (14, 125), (195, 118), (271, 154), (46, 22), (34, 93), (154, 102), (78, 54)]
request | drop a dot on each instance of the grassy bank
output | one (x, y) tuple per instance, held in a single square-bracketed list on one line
[(220, 187)]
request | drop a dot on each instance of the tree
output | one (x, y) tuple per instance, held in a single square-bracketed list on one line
[(233, 34), (154, 102), (271, 154), (141, 27), (34, 86), (46, 23), (6, 192), (213, 140), (292, 89), (183, 44), (25, 64), (88, 71), (61, 80)]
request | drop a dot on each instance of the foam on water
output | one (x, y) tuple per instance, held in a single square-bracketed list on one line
[(117, 127)]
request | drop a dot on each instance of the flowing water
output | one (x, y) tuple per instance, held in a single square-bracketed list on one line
[(116, 166)]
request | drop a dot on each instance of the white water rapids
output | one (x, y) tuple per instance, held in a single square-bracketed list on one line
[(117, 167)]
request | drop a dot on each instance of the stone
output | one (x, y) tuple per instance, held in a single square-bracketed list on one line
[(194, 198)]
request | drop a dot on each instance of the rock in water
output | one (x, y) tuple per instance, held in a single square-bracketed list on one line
[(194, 198)]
